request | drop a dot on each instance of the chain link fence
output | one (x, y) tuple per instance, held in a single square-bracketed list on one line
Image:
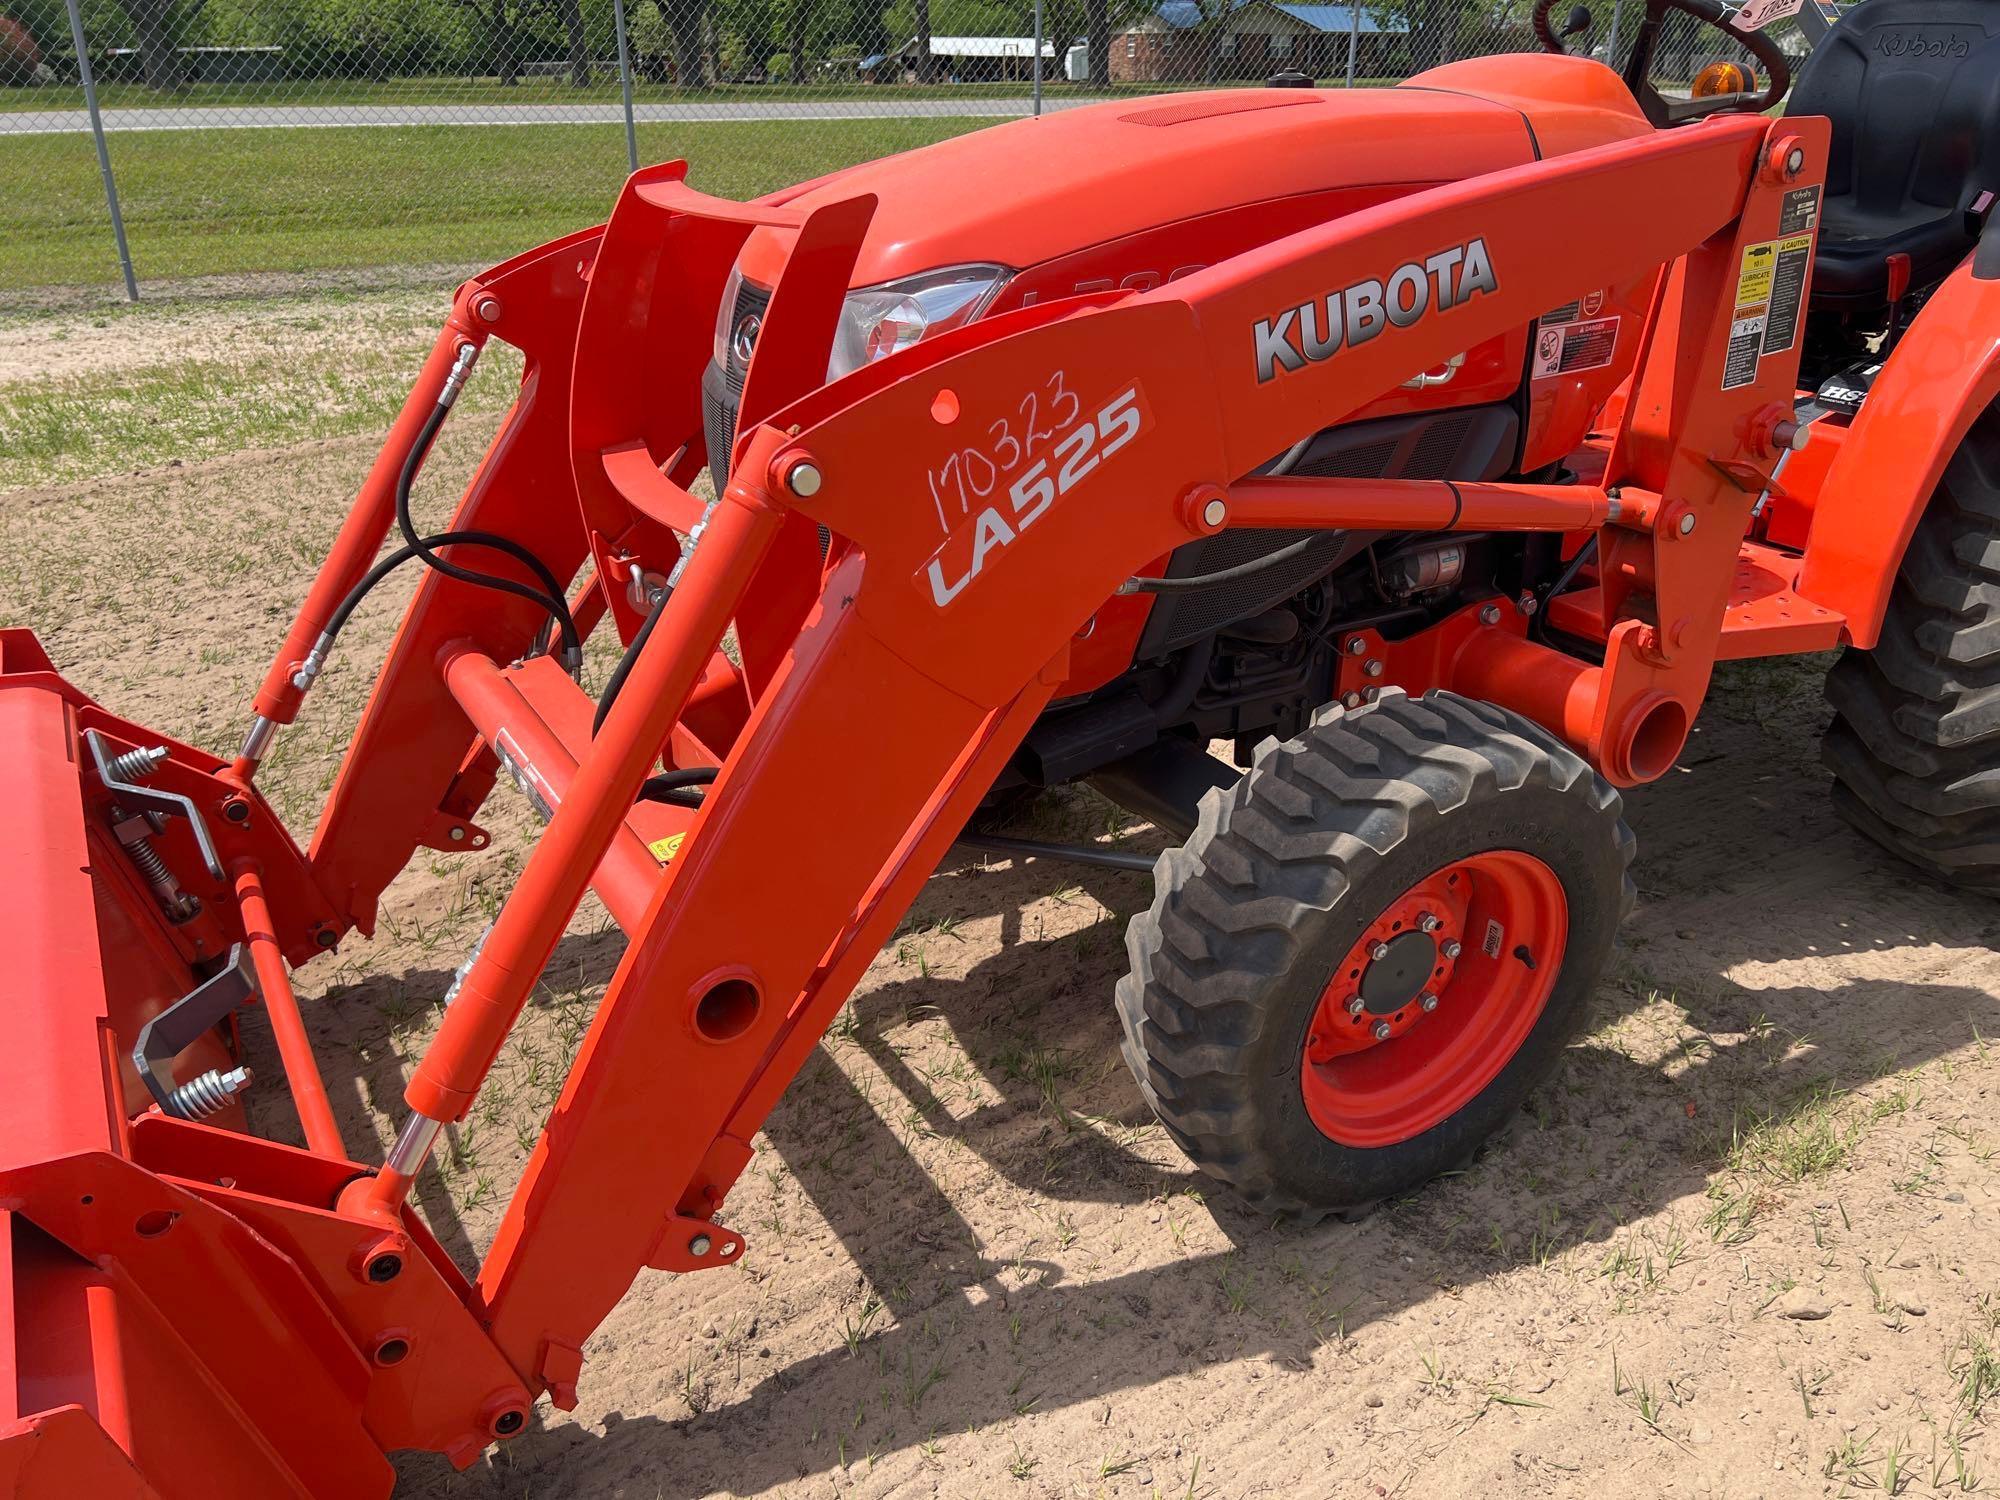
[(355, 141)]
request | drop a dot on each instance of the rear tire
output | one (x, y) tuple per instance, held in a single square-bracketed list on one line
[(1236, 1012), (1915, 743)]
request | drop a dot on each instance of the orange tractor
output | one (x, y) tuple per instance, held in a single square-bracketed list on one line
[(1427, 445)]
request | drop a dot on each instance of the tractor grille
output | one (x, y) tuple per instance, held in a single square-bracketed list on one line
[(722, 386)]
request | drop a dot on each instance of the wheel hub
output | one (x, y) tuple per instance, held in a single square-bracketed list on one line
[(1433, 998), (1396, 978)]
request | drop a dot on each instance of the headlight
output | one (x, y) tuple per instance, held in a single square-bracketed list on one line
[(876, 321), (725, 325)]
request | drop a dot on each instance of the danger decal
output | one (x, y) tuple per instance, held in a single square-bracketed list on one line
[(1571, 349), (1355, 315)]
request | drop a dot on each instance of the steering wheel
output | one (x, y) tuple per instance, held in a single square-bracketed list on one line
[(1663, 111)]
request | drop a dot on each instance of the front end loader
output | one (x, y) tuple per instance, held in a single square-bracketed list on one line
[(1370, 527)]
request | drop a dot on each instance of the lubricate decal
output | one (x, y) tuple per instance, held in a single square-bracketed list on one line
[(1571, 348), (1029, 485), (665, 849), (1753, 308), (1348, 318)]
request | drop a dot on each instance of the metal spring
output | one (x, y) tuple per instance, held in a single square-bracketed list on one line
[(137, 765), (147, 858), (203, 1096)]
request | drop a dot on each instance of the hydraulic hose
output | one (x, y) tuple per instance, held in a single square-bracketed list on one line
[(1249, 569)]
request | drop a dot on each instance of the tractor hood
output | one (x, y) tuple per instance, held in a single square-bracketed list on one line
[(1037, 193)]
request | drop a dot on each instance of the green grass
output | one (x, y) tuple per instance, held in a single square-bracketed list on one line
[(201, 203)]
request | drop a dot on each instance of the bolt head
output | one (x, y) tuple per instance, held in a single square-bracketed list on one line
[(1428, 923), (1527, 604), (1354, 1006), (1381, 1031), (700, 1245), (1372, 667), (1356, 646), (803, 479), (1350, 700), (1451, 948), (1686, 524), (1215, 512), (457, 834), (1379, 951), (1490, 615), (1427, 1002)]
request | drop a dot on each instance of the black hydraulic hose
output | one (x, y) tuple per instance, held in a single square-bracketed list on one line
[(1187, 680), (619, 673), (678, 788), (549, 596), (1226, 575)]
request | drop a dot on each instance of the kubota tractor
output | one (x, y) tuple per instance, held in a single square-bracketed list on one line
[(1428, 445)]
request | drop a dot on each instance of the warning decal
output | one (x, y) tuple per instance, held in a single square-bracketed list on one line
[(1753, 306), (1571, 349), (1788, 290), (665, 849), (1800, 210), (1567, 313)]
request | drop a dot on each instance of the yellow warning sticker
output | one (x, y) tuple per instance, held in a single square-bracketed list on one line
[(1753, 282), (665, 849)]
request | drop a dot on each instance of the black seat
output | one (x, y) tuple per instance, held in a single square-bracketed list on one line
[(1913, 90)]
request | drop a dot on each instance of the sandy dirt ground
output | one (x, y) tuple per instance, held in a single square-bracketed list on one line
[(1744, 1245)]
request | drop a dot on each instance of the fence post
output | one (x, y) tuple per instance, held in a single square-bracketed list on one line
[(1611, 57), (103, 152), (1038, 56), (1353, 36), (624, 79)]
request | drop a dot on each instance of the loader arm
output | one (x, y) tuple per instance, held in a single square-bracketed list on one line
[(881, 689)]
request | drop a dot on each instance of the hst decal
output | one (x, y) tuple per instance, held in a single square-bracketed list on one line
[(1346, 319)]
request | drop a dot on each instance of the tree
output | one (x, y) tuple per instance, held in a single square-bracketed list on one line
[(684, 19), (157, 27), (570, 13), (1097, 41)]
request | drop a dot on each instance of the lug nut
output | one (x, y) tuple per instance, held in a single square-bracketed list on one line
[(1427, 1002), (1379, 951), (1429, 923), (1450, 948), (1354, 1006), (1381, 1031)]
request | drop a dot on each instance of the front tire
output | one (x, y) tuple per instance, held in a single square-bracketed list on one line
[(1371, 949), (1915, 743)]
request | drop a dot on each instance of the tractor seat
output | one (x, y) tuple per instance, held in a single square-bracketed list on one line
[(1913, 90)]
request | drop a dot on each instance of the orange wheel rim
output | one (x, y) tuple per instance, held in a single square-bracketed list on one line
[(1435, 997)]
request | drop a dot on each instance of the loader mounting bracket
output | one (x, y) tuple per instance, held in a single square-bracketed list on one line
[(176, 1028)]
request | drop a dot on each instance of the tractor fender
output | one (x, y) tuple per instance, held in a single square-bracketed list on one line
[(1942, 374)]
